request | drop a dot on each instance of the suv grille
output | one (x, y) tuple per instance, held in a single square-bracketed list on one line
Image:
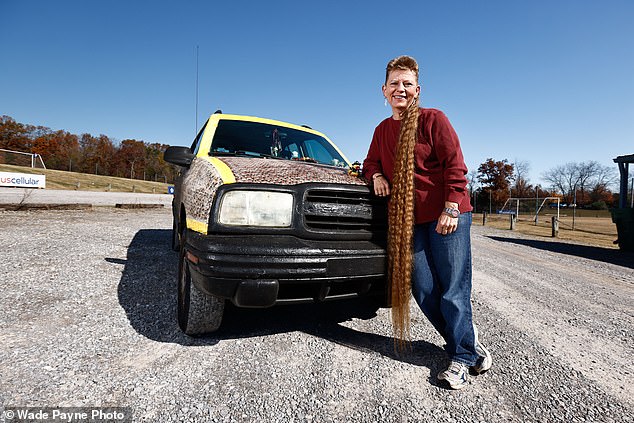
[(351, 211)]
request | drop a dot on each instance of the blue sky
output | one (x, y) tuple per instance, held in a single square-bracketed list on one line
[(547, 82)]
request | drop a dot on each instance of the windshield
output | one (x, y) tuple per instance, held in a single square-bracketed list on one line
[(237, 137)]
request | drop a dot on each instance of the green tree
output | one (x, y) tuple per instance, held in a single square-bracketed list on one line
[(89, 156), (105, 155), (157, 169), (14, 136), (129, 159), (495, 177), (60, 150)]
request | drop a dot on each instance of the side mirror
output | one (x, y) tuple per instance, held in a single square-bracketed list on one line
[(180, 156)]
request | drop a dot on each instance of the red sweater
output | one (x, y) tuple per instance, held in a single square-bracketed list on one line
[(439, 165)]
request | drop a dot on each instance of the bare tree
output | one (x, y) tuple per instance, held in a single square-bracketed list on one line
[(585, 172), (584, 177), (520, 174), (472, 181), (564, 179), (604, 177), (472, 186)]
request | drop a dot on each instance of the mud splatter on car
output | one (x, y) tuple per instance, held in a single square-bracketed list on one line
[(267, 213)]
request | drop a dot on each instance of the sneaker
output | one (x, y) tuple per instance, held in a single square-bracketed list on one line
[(456, 375), (484, 361)]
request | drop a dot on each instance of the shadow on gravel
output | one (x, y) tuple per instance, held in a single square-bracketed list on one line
[(422, 353), (147, 289), (325, 321), (147, 293), (607, 255)]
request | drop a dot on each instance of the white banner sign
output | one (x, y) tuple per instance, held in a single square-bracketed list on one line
[(22, 180)]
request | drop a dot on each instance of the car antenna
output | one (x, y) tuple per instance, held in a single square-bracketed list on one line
[(196, 117)]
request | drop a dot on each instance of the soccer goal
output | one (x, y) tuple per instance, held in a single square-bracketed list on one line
[(529, 206), (20, 158)]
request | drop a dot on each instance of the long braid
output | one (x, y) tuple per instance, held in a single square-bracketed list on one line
[(401, 225)]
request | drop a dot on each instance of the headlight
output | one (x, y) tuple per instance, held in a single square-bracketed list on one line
[(256, 208)]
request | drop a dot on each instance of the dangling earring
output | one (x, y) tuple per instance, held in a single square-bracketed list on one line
[(385, 101)]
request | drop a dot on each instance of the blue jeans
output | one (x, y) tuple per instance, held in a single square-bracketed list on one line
[(441, 284)]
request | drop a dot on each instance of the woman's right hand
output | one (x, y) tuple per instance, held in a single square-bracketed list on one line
[(381, 186)]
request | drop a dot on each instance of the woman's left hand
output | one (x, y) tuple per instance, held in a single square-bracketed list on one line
[(446, 224)]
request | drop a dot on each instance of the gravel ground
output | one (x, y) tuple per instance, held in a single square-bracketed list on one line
[(87, 319)]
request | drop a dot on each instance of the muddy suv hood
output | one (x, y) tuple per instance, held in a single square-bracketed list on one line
[(286, 172)]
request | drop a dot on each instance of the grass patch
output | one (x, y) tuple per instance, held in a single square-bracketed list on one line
[(590, 227), (59, 179)]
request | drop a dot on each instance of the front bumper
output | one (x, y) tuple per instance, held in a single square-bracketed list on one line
[(264, 270)]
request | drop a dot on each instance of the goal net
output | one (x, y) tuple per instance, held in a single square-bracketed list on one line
[(19, 158), (530, 208)]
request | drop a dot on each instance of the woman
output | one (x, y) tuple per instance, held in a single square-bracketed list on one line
[(415, 158)]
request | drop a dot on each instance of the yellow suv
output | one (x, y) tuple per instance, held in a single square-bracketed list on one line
[(267, 212)]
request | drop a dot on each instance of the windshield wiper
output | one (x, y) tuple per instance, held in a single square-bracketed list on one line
[(227, 153), (245, 153)]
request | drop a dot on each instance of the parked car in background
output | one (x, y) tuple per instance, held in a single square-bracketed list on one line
[(266, 213)]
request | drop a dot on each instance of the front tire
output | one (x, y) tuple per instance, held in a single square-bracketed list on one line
[(198, 313), (175, 237)]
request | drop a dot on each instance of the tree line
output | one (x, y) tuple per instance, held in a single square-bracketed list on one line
[(100, 155), (585, 184)]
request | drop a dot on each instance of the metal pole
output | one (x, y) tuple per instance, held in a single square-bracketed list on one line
[(517, 208), (623, 170), (574, 207), (632, 195), (536, 203), (489, 201)]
